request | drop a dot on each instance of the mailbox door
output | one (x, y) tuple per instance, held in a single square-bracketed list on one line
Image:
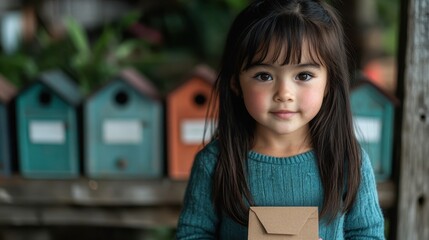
[(368, 129), (47, 133), (124, 138)]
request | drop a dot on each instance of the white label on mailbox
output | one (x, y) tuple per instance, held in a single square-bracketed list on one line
[(367, 129), (192, 131), (47, 132), (122, 131)]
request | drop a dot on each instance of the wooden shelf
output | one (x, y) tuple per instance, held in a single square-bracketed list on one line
[(119, 203), (128, 203), (88, 192)]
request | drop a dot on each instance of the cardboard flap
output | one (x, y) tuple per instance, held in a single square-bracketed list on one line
[(284, 220)]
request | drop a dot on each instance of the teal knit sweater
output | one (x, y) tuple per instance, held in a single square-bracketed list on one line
[(277, 181)]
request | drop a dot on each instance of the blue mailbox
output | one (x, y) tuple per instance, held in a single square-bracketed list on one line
[(373, 115), (47, 127), (124, 129), (7, 92)]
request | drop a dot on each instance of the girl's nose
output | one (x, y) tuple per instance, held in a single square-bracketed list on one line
[(283, 92)]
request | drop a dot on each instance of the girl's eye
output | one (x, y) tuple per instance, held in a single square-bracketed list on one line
[(304, 76), (263, 77)]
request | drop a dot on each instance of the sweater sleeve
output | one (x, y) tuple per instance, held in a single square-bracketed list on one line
[(198, 219), (365, 219)]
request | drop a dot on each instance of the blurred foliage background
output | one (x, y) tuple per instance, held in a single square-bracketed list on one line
[(163, 39)]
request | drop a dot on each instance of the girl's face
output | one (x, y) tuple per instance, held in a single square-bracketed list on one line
[(283, 98)]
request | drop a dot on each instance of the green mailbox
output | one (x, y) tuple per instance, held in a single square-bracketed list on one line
[(7, 92), (47, 127), (373, 115), (123, 128)]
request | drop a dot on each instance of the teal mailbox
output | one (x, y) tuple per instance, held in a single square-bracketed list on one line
[(124, 129), (47, 127), (7, 92), (373, 115)]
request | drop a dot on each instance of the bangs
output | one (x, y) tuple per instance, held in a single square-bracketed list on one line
[(289, 35)]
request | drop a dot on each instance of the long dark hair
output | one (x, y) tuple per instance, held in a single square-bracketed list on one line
[(286, 24)]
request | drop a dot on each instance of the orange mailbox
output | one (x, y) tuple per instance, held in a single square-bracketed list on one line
[(187, 107)]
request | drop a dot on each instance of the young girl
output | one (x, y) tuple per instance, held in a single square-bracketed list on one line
[(284, 134)]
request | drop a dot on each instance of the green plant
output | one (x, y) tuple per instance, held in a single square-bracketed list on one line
[(388, 18), (94, 63), (192, 32), (91, 63), (18, 68)]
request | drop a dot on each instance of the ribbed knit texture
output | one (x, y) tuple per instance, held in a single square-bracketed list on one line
[(277, 181)]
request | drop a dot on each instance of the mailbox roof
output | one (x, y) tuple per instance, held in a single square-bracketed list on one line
[(140, 83), (63, 85), (362, 81), (7, 90), (201, 71), (135, 80)]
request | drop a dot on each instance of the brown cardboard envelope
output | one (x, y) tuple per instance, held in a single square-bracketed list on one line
[(297, 223)]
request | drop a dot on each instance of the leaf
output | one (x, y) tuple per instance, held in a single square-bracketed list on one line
[(102, 45), (18, 68), (126, 48), (78, 37)]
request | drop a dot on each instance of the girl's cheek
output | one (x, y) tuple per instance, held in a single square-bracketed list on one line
[(312, 101), (255, 101)]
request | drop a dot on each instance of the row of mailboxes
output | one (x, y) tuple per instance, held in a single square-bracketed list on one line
[(118, 130)]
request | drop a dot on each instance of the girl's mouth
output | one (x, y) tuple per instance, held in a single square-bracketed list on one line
[(283, 114)]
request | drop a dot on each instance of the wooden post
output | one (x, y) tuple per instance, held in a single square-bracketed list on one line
[(413, 208)]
